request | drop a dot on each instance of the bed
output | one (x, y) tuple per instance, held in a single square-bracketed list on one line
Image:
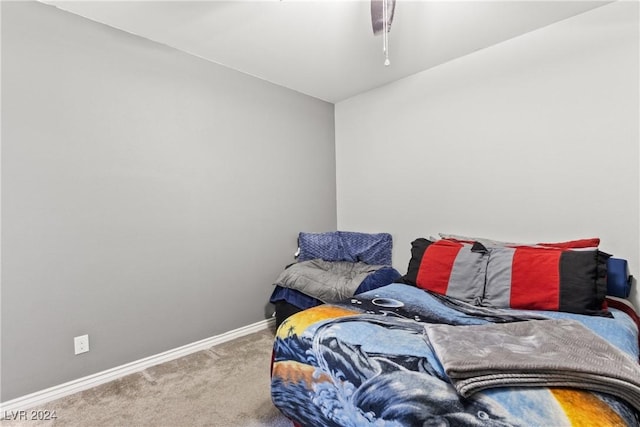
[(436, 350)]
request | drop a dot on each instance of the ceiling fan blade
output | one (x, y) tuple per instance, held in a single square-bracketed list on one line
[(377, 15)]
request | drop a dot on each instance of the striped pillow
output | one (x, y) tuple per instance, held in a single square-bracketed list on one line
[(536, 278), (455, 269)]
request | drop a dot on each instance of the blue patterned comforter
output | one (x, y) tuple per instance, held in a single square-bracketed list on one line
[(366, 361)]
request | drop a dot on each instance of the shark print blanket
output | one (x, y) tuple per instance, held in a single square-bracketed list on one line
[(368, 361)]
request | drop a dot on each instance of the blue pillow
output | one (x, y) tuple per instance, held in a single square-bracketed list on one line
[(373, 249), (618, 278)]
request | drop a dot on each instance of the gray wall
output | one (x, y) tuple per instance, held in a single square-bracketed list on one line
[(536, 138), (149, 198)]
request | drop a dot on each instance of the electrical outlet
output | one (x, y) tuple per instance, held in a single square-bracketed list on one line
[(81, 344)]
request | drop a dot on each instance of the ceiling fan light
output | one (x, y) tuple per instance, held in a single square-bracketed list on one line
[(381, 17), (377, 18)]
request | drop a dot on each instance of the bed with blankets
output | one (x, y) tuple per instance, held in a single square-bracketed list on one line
[(477, 333)]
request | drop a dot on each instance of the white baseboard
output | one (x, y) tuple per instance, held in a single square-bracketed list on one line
[(47, 395)]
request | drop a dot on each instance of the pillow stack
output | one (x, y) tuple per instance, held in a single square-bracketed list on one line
[(562, 276)]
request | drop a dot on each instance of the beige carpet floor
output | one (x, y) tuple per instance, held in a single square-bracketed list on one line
[(226, 385)]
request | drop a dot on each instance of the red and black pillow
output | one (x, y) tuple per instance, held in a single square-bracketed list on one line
[(546, 278), (563, 276), (455, 269)]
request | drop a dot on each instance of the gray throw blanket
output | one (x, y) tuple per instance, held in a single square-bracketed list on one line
[(325, 280), (560, 353)]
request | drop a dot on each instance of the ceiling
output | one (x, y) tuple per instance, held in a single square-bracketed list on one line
[(326, 48)]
